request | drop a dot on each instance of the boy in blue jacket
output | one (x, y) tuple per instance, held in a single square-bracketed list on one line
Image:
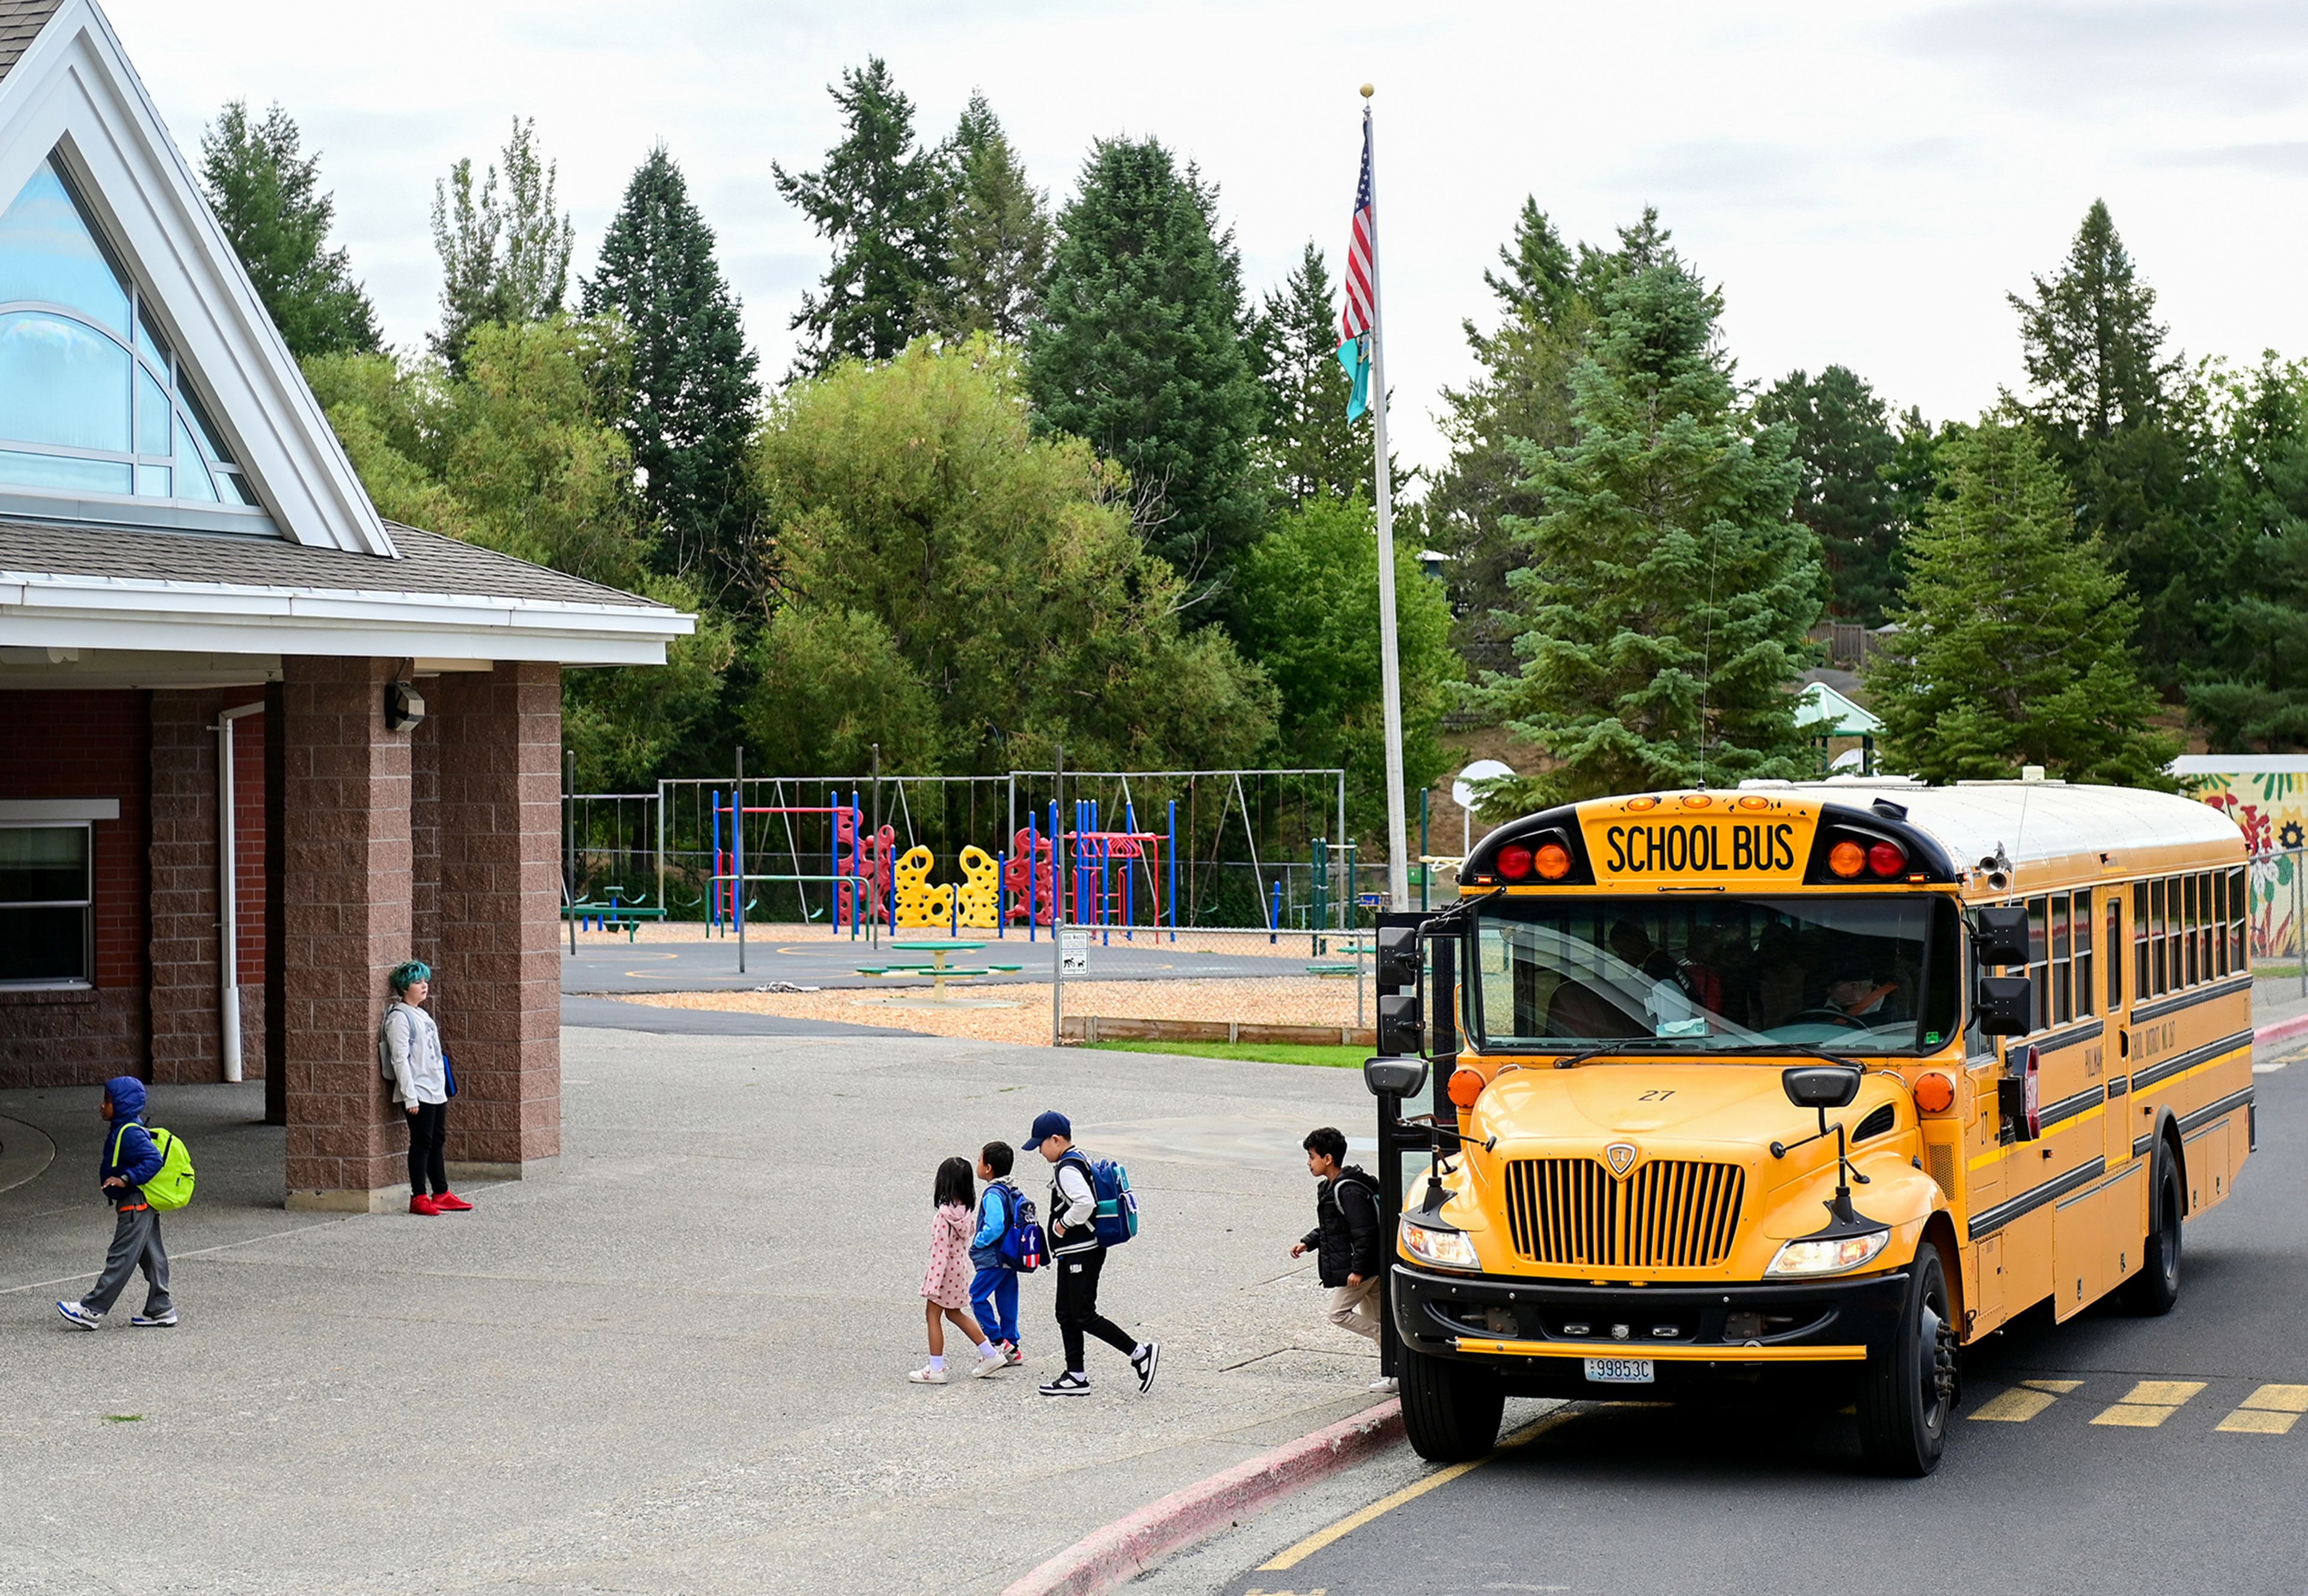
[(994, 1289), (128, 1159)]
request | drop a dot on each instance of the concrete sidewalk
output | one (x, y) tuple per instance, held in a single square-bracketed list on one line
[(676, 1365)]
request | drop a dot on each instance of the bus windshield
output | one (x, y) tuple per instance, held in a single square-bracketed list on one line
[(1860, 974)]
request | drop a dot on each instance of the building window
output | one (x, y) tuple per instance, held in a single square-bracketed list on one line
[(44, 905), (92, 400)]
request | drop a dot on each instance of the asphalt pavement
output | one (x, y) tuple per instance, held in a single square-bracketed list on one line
[(2053, 1481)]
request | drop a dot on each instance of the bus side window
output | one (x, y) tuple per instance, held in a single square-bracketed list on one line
[(2206, 920), (2191, 896), (2116, 952), (2158, 941), (2083, 924), (2220, 926), (2062, 1006), (2140, 984), (2239, 903), (2039, 963)]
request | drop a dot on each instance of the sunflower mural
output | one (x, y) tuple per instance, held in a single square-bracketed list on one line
[(2271, 807)]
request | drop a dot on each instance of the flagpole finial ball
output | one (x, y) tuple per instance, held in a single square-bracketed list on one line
[(1369, 90)]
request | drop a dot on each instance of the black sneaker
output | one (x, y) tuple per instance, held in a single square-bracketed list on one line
[(1145, 1363), (1068, 1383)]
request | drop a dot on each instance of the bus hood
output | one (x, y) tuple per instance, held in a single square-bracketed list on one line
[(1741, 1104)]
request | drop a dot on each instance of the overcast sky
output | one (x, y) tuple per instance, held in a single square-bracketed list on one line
[(1865, 181)]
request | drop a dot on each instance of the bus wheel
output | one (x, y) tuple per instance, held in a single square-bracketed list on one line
[(1908, 1389), (1449, 1409), (2157, 1287)]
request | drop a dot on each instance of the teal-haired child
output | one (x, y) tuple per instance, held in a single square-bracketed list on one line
[(408, 1051)]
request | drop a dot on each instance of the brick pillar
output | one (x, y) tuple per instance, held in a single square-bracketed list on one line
[(184, 864), (425, 831), (499, 1000), (346, 882)]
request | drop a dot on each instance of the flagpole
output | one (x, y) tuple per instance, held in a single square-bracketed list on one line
[(1398, 820)]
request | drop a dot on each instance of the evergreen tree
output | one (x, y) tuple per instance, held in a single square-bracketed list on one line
[(1845, 445), (884, 202), (266, 193), (1139, 351), (2114, 410), (2013, 643), (1519, 401), (2252, 691), (505, 258), (999, 237), (1311, 450), (692, 399), (1667, 591)]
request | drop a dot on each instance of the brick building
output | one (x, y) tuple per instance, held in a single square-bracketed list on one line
[(257, 745)]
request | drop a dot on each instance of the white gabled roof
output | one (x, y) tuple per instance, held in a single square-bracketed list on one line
[(70, 90)]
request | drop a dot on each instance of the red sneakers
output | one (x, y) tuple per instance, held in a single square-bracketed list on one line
[(448, 1202), (421, 1204)]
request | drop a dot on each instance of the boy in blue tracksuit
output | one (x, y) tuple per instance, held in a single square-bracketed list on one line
[(994, 1289), (129, 1158)]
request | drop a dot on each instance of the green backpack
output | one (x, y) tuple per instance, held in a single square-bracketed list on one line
[(171, 1187)]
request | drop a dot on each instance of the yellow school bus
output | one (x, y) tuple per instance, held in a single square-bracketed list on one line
[(1806, 1081)]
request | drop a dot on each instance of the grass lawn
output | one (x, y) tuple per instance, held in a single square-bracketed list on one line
[(1259, 1053)]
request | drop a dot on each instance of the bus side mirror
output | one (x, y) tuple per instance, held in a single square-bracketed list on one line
[(2000, 935), (1394, 1077), (1819, 1086), (2007, 1005)]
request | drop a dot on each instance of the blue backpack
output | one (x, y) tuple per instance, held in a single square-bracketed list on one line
[(1021, 1244), (1117, 1220)]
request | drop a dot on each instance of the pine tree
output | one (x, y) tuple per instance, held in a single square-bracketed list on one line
[(2112, 407), (503, 259), (2013, 643), (1139, 351), (1845, 444), (2252, 691), (999, 235), (1520, 400), (1310, 450), (266, 194), (884, 202), (1666, 591), (692, 397)]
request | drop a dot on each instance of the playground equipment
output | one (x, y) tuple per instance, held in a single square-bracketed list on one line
[(1134, 852)]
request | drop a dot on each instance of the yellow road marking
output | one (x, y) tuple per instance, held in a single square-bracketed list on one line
[(2258, 1423), (2278, 1399), (2149, 1404), (1348, 1526), (2170, 1393), (2015, 1406), (2056, 1387)]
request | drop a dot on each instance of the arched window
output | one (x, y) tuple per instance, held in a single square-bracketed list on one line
[(92, 400)]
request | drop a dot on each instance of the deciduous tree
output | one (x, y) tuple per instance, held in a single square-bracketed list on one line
[(505, 256)]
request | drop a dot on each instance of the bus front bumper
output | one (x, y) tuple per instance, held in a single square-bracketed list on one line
[(1546, 1326)]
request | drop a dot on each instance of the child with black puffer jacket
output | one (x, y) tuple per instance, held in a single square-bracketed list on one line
[(130, 1157)]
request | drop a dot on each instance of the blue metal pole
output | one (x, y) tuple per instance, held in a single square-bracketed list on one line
[(1001, 896), (1170, 853), (1033, 863), (713, 880)]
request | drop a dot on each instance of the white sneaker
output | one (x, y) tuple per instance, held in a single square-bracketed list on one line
[(926, 1375), (1385, 1385), (78, 1316), (990, 1366)]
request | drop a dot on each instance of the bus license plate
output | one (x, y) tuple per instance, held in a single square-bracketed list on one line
[(1620, 1372)]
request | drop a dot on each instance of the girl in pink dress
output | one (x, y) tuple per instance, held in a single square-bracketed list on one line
[(945, 1283)]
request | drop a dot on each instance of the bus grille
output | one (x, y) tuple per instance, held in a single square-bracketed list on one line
[(1666, 1215)]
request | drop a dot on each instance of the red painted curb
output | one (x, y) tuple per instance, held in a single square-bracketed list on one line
[(1128, 1547), (2282, 1030)]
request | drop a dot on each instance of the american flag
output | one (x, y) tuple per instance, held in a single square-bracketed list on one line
[(1355, 315), (1358, 316)]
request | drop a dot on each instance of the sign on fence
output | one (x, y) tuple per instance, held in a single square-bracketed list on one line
[(1073, 951)]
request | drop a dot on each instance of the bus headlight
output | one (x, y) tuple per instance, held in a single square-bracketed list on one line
[(1445, 1250), (1831, 1255)]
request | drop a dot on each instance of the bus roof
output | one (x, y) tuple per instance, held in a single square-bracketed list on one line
[(2057, 824)]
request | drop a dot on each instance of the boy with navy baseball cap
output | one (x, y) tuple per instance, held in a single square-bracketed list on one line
[(1078, 1256)]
